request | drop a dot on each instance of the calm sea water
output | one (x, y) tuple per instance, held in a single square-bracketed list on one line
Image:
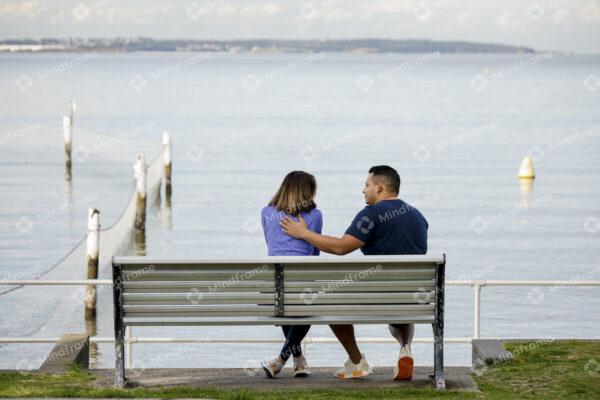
[(455, 126)]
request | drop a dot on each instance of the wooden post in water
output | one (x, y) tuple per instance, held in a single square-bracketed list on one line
[(140, 188), (68, 131), (92, 256), (139, 234), (167, 162)]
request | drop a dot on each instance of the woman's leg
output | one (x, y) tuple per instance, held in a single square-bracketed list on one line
[(293, 341)]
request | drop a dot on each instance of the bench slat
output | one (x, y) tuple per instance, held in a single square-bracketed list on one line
[(390, 274), (127, 261), (361, 297), (209, 275), (210, 265), (204, 298), (374, 309), (293, 275), (370, 286), (254, 310), (357, 266), (270, 321), (204, 287), (269, 298)]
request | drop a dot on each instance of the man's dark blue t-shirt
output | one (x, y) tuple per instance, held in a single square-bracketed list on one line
[(390, 227)]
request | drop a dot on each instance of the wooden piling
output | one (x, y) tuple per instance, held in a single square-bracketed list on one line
[(68, 132), (93, 252), (167, 163), (140, 188)]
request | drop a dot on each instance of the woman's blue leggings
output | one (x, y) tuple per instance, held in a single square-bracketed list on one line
[(293, 340)]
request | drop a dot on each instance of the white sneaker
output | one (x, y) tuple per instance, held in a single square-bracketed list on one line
[(272, 367), (403, 371), (351, 370), (300, 367)]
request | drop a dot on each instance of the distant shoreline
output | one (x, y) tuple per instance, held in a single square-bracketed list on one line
[(356, 46)]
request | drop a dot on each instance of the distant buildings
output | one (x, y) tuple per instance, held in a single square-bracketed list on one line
[(120, 44)]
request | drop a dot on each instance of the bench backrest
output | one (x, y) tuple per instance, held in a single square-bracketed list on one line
[(278, 286)]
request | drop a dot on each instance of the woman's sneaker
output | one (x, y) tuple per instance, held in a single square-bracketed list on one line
[(300, 367), (272, 367), (404, 367), (351, 370)]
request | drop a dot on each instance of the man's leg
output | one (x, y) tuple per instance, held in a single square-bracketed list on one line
[(345, 334), (403, 333)]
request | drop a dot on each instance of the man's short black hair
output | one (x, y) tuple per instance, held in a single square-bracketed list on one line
[(388, 176)]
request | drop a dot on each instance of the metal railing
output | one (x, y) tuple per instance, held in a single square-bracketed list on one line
[(130, 339)]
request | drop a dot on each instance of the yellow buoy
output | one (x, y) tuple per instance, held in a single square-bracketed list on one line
[(526, 171)]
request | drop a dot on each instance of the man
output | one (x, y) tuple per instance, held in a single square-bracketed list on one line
[(387, 225)]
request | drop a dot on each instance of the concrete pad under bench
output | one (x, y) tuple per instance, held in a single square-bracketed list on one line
[(71, 348), (489, 352), (457, 378)]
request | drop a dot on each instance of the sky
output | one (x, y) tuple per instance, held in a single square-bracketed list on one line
[(564, 25)]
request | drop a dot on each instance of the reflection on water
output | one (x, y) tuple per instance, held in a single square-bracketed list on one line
[(165, 215), (526, 186), (68, 181), (139, 242)]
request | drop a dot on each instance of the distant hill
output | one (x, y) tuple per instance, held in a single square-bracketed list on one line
[(259, 45)]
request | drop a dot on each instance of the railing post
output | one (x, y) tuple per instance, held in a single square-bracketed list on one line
[(477, 313), (129, 346)]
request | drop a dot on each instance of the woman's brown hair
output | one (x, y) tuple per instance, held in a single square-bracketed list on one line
[(296, 193)]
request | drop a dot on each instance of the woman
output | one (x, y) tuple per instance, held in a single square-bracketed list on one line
[(296, 196)]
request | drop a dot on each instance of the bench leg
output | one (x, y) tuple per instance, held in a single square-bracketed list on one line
[(120, 361), (119, 326), (438, 358)]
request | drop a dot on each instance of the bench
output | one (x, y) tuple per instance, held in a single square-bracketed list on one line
[(279, 291)]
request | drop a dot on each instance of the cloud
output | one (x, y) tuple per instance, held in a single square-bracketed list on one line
[(510, 20), (468, 18), (590, 13), (22, 9)]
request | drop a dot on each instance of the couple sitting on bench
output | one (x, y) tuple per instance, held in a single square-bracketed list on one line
[(386, 226)]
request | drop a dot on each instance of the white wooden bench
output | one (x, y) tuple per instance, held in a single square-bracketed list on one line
[(279, 291)]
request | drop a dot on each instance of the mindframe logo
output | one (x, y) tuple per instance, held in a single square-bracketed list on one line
[(365, 224)]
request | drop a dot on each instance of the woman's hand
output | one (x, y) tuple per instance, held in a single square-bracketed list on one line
[(294, 229)]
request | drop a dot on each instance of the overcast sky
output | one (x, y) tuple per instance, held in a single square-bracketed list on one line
[(542, 24)]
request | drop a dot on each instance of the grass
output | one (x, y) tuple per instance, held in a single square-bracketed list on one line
[(561, 370)]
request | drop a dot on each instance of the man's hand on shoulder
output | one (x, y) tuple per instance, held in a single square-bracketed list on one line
[(295, 229), (329, 244)]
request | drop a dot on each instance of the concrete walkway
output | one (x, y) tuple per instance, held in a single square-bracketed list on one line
[(321, 378)]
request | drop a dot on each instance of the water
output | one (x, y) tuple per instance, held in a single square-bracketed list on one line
[(240, 122)]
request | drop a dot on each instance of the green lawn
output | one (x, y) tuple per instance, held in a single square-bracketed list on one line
[(540, 370)]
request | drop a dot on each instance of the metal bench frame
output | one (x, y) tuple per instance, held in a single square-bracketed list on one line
[(279, 315)]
